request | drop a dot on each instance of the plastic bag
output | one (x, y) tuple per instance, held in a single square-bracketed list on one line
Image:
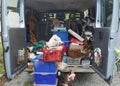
[(54, 41)]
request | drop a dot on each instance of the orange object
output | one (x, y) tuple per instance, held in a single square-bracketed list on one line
[(32, 26), (73, 40)]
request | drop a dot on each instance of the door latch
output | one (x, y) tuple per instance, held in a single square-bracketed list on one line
[(6, 50), (111, 38)]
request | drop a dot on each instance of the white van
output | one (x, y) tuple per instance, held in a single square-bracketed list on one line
[(16, 36)]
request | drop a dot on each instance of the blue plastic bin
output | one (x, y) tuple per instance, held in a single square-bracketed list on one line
[(45, 78), (40, 56), (67, 44), (62, 34), (41, 66)]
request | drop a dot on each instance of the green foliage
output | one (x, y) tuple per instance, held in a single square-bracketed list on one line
[(28, 83), (2, 68), (1, 51), (1, 60)]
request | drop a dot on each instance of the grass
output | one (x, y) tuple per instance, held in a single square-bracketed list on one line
[(28, 83), (2, 69), (1, 60), (1, 51)]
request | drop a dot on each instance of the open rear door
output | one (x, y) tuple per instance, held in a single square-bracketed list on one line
[(101, 56), (105, 43), (13, 37)]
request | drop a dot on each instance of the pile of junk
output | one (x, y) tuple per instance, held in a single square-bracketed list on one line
[(65, 48)]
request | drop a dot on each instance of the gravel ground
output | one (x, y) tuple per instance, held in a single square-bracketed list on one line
[(89, 79), (21, 80), (95, 80)]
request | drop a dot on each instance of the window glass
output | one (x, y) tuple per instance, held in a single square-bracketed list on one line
[(107, 9), (12, 5), (15, 12)]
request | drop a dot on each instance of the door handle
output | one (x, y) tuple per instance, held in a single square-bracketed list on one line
[(6, 50), (111, 38)]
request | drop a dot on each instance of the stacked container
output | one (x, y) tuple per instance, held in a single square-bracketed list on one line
[(44, 73)]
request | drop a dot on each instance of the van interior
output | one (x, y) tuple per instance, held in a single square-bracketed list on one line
[(74, 15), (41, 16)]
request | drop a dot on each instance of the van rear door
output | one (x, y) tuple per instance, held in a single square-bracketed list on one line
[(101, 56), (13, 37), (105, 39)]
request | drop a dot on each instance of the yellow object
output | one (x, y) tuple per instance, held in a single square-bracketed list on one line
[(117, 51), (23, 54)]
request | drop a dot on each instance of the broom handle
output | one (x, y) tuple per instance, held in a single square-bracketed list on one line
[(74, 68), (75, 35)]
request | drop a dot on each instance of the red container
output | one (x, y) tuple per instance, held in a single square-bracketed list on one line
[(73, 40), (53, 54)]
